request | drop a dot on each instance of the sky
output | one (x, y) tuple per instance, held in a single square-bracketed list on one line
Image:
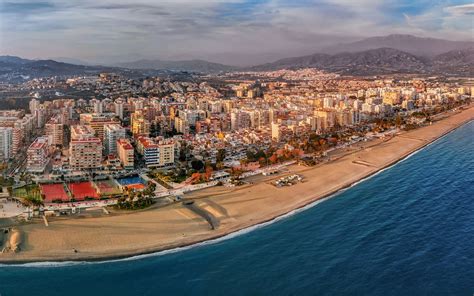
[(229, 31)]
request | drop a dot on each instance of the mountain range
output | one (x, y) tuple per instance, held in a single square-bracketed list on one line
[(381, 61), (371, 56), (16, 69), (419, 46), (186, 65)]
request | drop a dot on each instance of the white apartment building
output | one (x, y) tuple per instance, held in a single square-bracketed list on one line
[(6, 143), (38, 155), (112, 132)]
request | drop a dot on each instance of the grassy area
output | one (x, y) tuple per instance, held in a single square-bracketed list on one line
[(29, 192), (175, 176)]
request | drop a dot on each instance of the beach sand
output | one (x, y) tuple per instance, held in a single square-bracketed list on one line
[(121, 235)]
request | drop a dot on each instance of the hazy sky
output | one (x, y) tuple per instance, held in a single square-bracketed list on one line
[(111, 30)]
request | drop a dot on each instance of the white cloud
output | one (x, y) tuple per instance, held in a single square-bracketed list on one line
[(92, 29)]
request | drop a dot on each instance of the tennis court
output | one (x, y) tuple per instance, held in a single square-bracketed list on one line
[(54, 192), (135, 182), (83, 190), (107, 188)]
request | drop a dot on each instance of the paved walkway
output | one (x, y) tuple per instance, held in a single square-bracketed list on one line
[(10, 209)]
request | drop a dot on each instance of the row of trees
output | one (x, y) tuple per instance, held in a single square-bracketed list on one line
[(133, 200)]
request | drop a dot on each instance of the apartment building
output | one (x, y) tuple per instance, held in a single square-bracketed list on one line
[(125, 153), (112, 132), (85, 149), (38, 155)]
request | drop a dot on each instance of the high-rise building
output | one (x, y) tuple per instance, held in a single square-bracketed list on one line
[(328, 117), (314, 122), (140, 125), (156, 153), (97, 106), (34, 104), (125, 153), (181, 125), (85, 149), (239, 120), (98, 121), (276, 131), (38, 155), (112, 132), (6, 143), (328, 103), (55, 131), (119, 107)]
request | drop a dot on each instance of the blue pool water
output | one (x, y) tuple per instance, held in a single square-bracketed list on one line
[(130, 180), (406, 231)]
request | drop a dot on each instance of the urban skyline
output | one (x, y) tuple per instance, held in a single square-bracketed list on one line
[(236, 147)]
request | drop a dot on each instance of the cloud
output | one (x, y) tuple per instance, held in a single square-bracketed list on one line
[(125, 29), (460, 10)]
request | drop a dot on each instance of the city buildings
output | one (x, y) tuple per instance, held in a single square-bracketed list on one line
[(156, 153), (125, 153), (6, 143), (38, 155), (98, 121), (54, 129), (112, 132), (85, 149)]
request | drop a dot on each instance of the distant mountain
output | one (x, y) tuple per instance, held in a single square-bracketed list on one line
[(16, 69), (415, 45), (188, 65), (461, 61), (369, 62), (7, 60), (70, 61)]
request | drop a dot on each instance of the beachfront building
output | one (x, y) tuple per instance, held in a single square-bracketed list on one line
[(125, 153), (112, 132), (156, 153), (38, 155), (327, 116), (149, 150), (167, 148), (85, 149), (6, 143)]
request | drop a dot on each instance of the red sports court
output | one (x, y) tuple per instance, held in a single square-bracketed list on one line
[(83, 190), (53, 192)]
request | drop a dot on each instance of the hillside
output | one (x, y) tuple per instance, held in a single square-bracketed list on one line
[(419, 46)]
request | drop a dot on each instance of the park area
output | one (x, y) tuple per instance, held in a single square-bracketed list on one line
[(29, 192), (54, 192), (107, 188), (83, 190)]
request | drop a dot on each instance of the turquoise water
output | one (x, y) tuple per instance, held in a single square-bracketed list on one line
[(406, 231)]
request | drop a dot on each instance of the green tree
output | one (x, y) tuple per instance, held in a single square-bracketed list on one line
[(197, 164), (221, 153)]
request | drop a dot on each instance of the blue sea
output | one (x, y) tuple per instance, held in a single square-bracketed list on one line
[(408, 230)]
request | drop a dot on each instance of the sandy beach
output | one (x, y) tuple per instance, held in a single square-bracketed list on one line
[(121, 235)]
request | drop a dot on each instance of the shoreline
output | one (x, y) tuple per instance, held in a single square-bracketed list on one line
[(209, 237)]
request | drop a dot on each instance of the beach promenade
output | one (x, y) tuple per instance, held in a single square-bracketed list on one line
[(120, 235)]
